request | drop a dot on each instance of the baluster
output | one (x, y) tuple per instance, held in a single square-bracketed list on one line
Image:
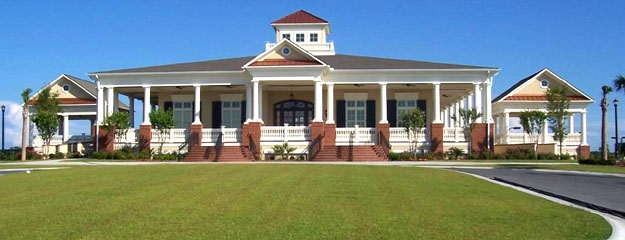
[(223, 133), (356, 135), (286, 132)]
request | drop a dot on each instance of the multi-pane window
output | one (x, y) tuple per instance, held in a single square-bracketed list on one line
[(314, 37), (299, 37), (231, 114), (183, 114), (405, 107), (356, 113), (287, 36)]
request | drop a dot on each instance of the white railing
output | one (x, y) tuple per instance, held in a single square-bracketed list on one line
[(79, 138), (55, 140), (176, 135), (285, 133), (398, 134), (516, 138), (453, 135), (356, 134), (132, 136), (213, 135)]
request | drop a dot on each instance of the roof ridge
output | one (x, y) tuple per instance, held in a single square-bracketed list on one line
[(300, 16)]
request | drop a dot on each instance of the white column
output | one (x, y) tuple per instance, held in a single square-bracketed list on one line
[(477, 100), (330, 107), (116, 102), (248, 102), (488, 118), (571, 123), (383, 103), (131, 110), (446, 117), (505, 126), (546, 132), (196, 113), (469, 102), (437, 103), (146, 106), (100, 108), (110, 99), (584, 142), (65, 127), (256, 111), (318, 102), (261, 110), (457, 122)]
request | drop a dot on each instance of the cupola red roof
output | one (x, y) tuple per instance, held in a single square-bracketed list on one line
[(300, 16)]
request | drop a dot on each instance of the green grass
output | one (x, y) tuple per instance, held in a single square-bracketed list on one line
[(278, 201)]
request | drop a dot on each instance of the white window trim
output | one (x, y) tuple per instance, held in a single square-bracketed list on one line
[(231, 108), (397, 111), (183, 109), (540, 82), (304, 40), (364, 108)]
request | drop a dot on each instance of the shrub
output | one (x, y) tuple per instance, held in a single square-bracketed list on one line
[(454, 153), (393, 156), (594, 161)]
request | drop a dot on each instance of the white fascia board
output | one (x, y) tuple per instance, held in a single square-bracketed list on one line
[(75, 83), (568, 84), (485, 70), (47, 85), (264, 54)]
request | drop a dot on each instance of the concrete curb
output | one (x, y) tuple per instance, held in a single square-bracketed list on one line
[(617, 224)]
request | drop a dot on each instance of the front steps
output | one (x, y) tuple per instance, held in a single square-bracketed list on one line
[(371, 153), (219, 154)]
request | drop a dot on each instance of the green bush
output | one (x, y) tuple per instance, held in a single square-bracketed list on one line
[(594, 161), (393, 156)]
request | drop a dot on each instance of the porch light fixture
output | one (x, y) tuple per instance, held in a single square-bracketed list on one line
[(357, 85)]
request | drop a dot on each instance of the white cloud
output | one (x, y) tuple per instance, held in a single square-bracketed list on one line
[(13, 124)]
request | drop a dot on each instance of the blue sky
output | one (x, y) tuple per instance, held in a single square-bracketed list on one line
[(581, 41)]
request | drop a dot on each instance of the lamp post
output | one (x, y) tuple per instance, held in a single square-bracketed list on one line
[(615, 102), (3, 109)]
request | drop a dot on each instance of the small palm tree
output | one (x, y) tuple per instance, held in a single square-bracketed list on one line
[(25, 99), (605, 90), (619, 83)]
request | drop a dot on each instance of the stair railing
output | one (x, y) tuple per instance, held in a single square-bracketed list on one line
[(314, 147), (383, 141), (253, 150)]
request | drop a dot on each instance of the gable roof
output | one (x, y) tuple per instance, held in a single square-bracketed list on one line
[(260, 59), (506, 95), (338, 61), (300, 16), (88, 86)]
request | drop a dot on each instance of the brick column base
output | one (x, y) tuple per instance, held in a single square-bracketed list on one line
[(329, 131), (245, 141), (481, 137), (436, 137), (583, 152), (316, 130), (145, 136), (106, 141), (196, 135), (384, 130), (253, 136)]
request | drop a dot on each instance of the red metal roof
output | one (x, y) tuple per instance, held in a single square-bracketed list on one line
[(541, 98), (300, 16), (69, 101), (284, 62)]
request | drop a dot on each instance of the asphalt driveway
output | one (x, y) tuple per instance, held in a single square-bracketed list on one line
[(601, 190)]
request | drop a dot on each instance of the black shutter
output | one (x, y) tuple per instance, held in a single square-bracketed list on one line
[(340, 113), (193, 112), (201, 112), (243, 112), (391, 112), (216, 114), (168, 106), (422, 105), (370, 113)]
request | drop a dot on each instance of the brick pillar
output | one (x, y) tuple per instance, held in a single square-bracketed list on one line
[(253, 136), (384, 130), (106, 141), (492, 137), (329, 131), (316, 130), (436, 137), (196, 135), (245, 141), (583, 152), (479, 137), (145, 136)]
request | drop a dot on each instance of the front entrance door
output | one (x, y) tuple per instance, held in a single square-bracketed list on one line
[(293, 112)]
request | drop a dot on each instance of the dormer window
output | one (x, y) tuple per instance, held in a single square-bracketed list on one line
[(314, 37), (299, 37), (286, 36)]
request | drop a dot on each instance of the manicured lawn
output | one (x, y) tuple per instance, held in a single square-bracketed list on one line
[(278, 202)]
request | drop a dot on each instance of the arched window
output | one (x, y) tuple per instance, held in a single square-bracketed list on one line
[(293, 112)]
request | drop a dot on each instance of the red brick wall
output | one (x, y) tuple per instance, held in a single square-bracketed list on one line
[(145, 136), (316, 130), (253, 133), (583, 152), (384, 129), (481, 141), (106, 141), (329, 138), (196, 135), (436, 137)]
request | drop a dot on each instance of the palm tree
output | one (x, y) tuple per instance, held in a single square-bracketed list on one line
[(619, 83), (25, 98), (605, 90)]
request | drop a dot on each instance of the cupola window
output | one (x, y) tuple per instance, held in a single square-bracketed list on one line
[(286, 36), (314, 37)]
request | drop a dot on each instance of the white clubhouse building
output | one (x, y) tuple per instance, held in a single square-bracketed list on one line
[(329, 105)]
